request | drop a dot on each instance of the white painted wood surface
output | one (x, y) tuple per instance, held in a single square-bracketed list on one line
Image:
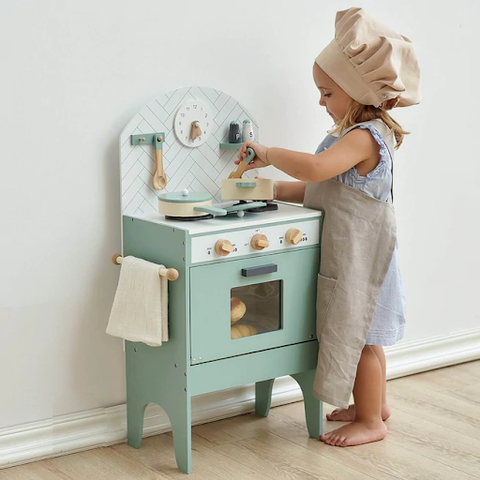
[(198, 169)]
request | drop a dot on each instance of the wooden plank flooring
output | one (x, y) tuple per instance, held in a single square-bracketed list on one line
[(434, 434)]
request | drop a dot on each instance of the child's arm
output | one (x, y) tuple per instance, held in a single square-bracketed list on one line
[(293, 192), (354, 148)]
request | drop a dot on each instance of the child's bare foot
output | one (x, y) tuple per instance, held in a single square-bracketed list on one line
[(356, 433), (348, 414)]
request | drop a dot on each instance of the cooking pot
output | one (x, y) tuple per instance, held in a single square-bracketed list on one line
[(197, 204), (247, 189), (236, 188)]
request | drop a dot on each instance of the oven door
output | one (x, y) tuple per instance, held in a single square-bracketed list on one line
[(243, 306)]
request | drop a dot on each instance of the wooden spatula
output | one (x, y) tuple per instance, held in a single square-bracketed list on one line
[(243, 164)]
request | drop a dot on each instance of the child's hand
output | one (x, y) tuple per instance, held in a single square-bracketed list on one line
[(260, 159)]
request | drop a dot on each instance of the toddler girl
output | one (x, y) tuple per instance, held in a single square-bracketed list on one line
[(365, 71)]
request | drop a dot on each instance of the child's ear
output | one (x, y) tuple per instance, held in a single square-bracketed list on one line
[(389, 104)]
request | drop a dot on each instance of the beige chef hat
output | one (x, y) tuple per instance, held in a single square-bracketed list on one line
[(371, 62)]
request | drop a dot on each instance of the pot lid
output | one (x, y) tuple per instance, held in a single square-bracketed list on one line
[(184, 197)]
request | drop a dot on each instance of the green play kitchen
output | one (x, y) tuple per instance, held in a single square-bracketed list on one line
[(241, 268)]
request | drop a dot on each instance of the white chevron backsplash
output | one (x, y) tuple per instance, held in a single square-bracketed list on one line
[(198, 169)]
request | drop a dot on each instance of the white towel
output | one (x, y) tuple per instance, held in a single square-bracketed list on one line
[(140, 307)]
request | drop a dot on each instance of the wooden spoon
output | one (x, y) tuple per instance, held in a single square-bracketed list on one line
[(159, 177), (243, 164)]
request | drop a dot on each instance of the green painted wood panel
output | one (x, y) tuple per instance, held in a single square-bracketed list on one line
[(164, 245), (255, 367), (164, 375), (161, 374)]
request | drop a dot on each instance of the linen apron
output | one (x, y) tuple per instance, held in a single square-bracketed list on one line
[(357, 244)]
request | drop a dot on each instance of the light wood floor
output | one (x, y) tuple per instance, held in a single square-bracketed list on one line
[(434, 434)]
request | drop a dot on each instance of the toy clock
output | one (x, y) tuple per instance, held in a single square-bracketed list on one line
[(192, 123)]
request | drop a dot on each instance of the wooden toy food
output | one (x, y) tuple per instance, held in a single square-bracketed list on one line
[(238, 331), (237, 310)]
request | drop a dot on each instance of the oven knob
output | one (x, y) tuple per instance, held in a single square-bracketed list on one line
[(259, 241), (293, 236), (223, 247)]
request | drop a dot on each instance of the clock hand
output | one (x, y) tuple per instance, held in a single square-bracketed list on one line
[(195, 131)]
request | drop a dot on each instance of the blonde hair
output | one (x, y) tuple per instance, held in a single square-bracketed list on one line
[(358, 113)]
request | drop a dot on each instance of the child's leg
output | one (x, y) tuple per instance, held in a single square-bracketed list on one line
[(378, 350), (368, 425), (348, 414)]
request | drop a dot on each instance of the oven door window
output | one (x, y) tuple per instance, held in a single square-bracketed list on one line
[(255, 309)]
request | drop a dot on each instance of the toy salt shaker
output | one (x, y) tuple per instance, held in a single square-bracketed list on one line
[(234, 134), (247, 131)]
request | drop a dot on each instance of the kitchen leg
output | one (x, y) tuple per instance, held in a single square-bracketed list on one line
[(263, 397), (135, 416), (313, 406), (180, 414)]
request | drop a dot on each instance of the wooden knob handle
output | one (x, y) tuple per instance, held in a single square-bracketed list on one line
[(223, 247), (115, 259), (170, 273), (293, 236), (259, 241)]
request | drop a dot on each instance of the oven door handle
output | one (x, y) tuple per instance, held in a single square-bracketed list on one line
[(259, 270)]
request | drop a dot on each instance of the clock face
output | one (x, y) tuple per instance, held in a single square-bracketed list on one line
[(193, 122)]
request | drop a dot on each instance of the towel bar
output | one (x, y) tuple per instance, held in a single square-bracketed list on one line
[(170, 273)]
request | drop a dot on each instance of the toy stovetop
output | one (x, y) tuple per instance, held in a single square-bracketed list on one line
[(285, 213)]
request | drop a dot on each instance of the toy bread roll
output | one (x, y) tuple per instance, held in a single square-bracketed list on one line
[(237, 310), (238, 331)]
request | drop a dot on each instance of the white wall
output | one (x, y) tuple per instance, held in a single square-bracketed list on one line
[(74, 73)]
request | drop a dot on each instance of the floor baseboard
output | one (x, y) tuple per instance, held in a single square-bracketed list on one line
[(107, 426)]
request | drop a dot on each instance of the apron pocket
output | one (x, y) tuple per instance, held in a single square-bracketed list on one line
[(326, 287)]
